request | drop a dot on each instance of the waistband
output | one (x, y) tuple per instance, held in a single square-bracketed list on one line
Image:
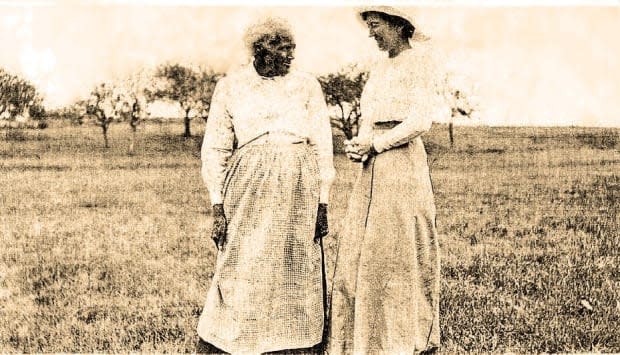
[(385, 125), (275, 138)]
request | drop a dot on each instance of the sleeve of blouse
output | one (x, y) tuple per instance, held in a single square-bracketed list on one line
[(321, 139), (365, 128), (425, 102), (217, 144)]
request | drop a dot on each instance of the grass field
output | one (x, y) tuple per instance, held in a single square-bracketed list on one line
[(103, 251)]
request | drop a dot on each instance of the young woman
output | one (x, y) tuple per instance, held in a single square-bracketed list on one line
[(268, 165), (386, 286)]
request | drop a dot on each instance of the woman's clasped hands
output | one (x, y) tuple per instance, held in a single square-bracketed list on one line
[(358, 149)]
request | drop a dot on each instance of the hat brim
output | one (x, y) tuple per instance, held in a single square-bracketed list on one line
[(418, 36)]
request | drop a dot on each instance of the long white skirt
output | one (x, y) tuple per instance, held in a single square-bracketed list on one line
[(386, 287)]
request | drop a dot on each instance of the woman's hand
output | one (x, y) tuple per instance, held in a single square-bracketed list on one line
[(322, 228), (358, 149), (218, 232)]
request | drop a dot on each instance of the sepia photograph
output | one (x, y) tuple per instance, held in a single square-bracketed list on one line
[(342, 177)]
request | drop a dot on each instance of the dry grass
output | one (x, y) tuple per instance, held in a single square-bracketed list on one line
[(103, 251)]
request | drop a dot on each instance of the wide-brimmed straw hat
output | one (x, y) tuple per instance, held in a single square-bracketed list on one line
[(418, 35)]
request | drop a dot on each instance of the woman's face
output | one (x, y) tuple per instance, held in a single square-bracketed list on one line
[(275, 56), (385, 34)]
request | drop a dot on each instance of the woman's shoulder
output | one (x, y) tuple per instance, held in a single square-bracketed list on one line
[(304, 79), (236, 74), (420, 54), (422, 61), (234, 80), (302, 76)]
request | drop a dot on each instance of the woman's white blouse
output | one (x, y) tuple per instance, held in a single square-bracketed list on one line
[(407, 89), (245, 106)]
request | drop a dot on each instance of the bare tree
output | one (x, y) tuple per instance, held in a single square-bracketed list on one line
[(131, 105), (191, 88), (101, 105), (343, 90), (460, 97), (136, 112), (124, 100)]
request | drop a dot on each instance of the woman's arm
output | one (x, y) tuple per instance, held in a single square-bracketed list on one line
[(217, 144), (321, 139), (417, 122), (425, 100)]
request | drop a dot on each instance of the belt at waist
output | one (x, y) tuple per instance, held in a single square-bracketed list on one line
[(385, 125), (276, 137)]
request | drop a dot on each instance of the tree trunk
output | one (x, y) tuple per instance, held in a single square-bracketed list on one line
[(187, 133), (355, 125), (451, 133), (348, 131), (346, 125), (104, 127), (133, 140)]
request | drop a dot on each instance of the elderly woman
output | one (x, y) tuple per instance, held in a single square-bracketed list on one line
[(268, 166), (386, 287)]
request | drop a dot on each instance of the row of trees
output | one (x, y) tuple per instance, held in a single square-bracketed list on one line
[(127, 100), (191, 88)]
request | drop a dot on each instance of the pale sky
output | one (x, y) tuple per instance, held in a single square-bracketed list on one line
[(527, 65)]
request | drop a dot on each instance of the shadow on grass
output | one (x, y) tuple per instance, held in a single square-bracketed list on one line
[(31, 167)]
